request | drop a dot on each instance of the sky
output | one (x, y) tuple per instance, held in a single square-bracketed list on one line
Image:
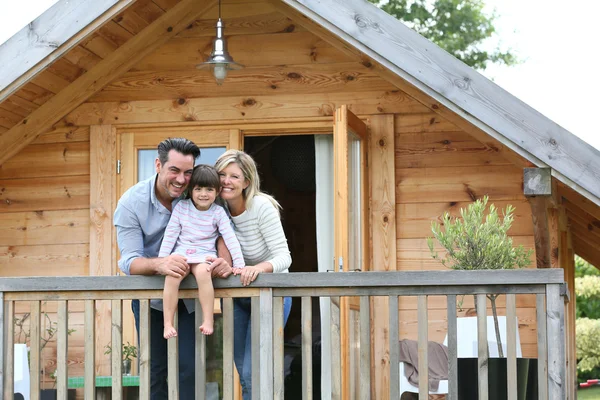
[(555, 39)]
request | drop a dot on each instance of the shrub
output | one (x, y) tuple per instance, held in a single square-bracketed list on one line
[(587, 290), (588, 345), (583, 268)]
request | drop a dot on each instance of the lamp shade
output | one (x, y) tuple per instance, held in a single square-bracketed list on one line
[(219, 61)]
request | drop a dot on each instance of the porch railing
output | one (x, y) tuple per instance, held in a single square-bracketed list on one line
[(267, 294)]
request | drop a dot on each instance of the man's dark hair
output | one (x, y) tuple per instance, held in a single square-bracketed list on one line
[(180, 145)]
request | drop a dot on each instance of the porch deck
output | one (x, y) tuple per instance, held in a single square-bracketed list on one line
[(345, 292)]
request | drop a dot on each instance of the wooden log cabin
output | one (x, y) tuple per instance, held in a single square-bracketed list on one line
[(89, 86)]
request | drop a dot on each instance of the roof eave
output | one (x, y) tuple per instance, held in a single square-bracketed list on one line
[(460, 88)]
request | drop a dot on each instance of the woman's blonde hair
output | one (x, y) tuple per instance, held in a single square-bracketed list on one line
[(246, 163)]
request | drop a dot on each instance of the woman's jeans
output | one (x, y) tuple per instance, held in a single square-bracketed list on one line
[(242, 341)]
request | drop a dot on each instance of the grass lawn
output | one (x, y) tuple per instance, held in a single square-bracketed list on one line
[(591, 393)]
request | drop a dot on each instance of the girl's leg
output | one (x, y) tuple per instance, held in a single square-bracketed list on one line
[(206, 295), (170, 299)]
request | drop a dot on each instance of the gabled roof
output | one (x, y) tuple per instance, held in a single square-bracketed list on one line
[(460, 88), (397, 53), (50, 36)]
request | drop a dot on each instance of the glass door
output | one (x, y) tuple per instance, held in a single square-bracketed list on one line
[(350, 245)]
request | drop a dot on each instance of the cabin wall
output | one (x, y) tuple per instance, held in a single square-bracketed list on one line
[(44, 215), (440, 168)]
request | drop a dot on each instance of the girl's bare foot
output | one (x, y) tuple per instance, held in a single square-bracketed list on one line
[(207, 327), (169, 332)]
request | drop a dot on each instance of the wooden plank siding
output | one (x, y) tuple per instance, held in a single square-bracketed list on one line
[(440, 168), (44, 215)]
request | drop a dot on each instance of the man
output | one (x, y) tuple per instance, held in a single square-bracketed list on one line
[(141, 218)]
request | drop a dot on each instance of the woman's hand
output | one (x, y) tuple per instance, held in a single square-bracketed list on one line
[(249, 274)]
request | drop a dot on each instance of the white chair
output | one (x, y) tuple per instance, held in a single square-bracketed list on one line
[(21, 371), (466, 342)]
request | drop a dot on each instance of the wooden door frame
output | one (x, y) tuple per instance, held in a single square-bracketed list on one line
[(123, 136)]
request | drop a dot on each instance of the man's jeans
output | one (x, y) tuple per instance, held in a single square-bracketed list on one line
[(186, 334), (242, 341)]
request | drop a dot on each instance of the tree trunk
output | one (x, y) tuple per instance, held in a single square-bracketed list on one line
[(492, 298)]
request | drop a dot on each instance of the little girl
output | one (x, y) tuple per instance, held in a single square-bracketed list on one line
[(192, 232)]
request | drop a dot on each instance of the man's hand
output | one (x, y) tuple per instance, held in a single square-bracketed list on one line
[(219, 268), (174, 265)]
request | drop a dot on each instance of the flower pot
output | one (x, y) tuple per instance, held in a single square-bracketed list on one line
[(50, 394), (126, 367)]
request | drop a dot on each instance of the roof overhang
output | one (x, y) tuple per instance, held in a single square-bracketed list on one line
[(460, 88)]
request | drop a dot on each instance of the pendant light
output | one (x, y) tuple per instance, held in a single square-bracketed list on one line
[(219, 61)]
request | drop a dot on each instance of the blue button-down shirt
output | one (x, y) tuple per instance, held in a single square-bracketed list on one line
[(141, 221)]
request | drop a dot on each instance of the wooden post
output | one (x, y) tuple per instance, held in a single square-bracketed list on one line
[(537, 187), (556, 351), (102, 252), (383, 230)]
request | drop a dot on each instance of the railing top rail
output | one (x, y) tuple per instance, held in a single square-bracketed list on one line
[(295, 280)]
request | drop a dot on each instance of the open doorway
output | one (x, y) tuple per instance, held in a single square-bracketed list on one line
[(286, 166)]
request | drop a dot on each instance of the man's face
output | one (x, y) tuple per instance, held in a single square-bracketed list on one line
[(174, 175)]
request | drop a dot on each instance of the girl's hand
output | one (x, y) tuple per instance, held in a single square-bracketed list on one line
[(249, 274), (237, 271)]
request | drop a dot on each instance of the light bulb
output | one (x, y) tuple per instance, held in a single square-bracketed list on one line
[(220, 72)]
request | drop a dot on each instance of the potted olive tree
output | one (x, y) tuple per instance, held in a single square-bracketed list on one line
[(478, 240), (129, 352)]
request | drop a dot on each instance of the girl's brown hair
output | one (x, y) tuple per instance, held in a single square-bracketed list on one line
[(204, 176)]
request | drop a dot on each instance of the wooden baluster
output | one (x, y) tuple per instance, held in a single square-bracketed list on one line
[(228, 348), (482, 341), (7, 309), (255, 340), (511, 346), (266, 344), (452, 349), (173, 361), (117, 349), (144, 351), (336, 355), (200, 355), (62, 327), (394, 349), (89, 334), (278, 366), (34, 349), (365, 348), (422, 317), (307, 378)]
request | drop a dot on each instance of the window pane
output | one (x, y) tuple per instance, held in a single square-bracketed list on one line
[(354, 203), (208, 155)]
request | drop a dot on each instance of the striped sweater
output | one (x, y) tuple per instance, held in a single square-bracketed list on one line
[(261, 235), (193, 233)]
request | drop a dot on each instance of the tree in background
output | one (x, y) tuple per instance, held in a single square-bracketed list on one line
[(583, 268), (587, 324), (458, 26)]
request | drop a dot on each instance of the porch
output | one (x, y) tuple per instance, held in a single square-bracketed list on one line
[(350, 296)]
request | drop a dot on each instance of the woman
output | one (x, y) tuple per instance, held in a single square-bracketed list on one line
[(255, 216)]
